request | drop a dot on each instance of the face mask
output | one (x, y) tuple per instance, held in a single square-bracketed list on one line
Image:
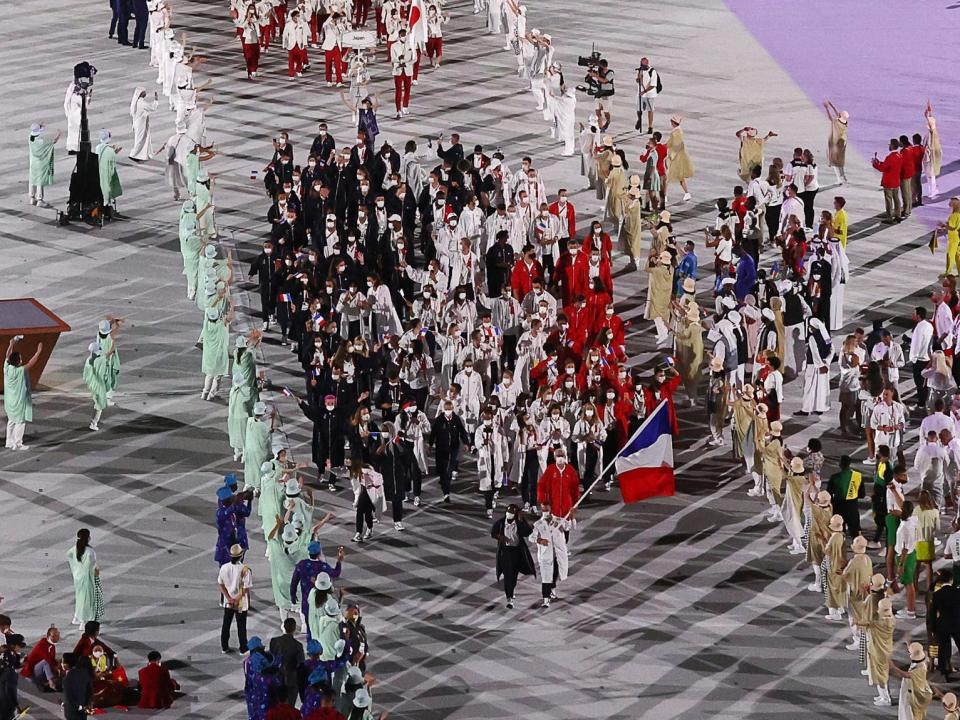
[(411, 411), (288, 263), (461, 296), (364, 187), (563, 200), (611, 396), (448, 413), (268, 251), (311, 164), (296, 179), (330, 407), (574, 251), (401, 196), (370, 285), (507, 382), (287, 189), (588, 413), (380, 203), (555, 416), (544, 213), (468, 369), (329, 290), (318, 187), (453, 224), (331, 223), (568, 384), (596, 231), (323, 132), (561, 463), (488, 422), (365, 418)]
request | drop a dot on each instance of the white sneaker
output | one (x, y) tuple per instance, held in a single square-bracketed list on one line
[(415, 82), (905, 614), (397, 116), (754, 491), (686, 197), (833, 617), (796, 550), (356, 537), (870, 461), (329, 84), (545, 603), (814, 587), (489, 513), (509, 603), (553, 595), (203, 394), (368, 534), (93, 426), (376, 520), (526, 507), (398, 526), (416, 501), (608, 485), (852, 645), (27, 447), (882, 702)]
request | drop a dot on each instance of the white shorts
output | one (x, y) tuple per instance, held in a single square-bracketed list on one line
[(646, 104)]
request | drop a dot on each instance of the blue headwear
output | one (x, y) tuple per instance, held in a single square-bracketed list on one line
[(319, 675), (314, 548), (224, 493), (260, 662), (230, 480), (314, 647), (255, 643)]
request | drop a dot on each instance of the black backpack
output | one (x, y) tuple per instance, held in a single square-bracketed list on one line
[(659, 84)]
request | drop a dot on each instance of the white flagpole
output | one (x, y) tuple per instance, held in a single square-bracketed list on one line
[(616, 457)]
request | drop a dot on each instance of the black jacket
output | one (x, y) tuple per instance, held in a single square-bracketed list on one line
[(446, 435), (524, 530), (943, 615), (77, 692)]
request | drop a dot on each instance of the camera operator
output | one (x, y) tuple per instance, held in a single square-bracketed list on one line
[(601, 77)]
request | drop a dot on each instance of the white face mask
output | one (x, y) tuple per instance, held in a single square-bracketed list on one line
[(568, 384), (448, 413), (511, 516), (574, 251), (411, 411), (370, 285), (561, 463), (468, 370), (507, 382), (611, 396), (588, 413), (365, 418), (555, 416), (488, 421), (461, 296), (380, 203), (330, 407)]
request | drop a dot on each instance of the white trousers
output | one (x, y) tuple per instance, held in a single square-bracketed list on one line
[(15, 434)]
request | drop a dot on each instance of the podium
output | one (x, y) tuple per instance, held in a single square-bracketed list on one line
[(37, 324)]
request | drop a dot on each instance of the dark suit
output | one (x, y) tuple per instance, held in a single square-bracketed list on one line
[(290, 653), (943, 620), (77, 689), (512, 560), (142, 15)]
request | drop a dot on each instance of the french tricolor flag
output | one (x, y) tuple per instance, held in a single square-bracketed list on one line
[(645, 465)]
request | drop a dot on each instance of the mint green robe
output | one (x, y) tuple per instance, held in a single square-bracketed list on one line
[(109, 179), (84, 586), (216, 347), (256, 450), (17, 398), (95, 374), (112, 361), (41, 161)]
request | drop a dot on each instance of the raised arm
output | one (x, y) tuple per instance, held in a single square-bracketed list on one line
[(36, 356)]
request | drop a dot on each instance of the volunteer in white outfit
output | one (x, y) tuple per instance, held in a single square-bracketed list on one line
[(552, 554)]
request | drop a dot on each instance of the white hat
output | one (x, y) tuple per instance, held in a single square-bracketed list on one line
[(94, 348), (859, 545), (776, 428), (917, 653), (331, 607), (734, 317), (836, 523), (105, 136), (796, 465), (266, 467), (292, 489), (104, 327), (394, 218), (495, 163), (844, 116), (289, 534), (35, 129), (361, 698), (689, 285), (210, 251), (323, 581), (259, 408), (665, 257), (728, 302), (767, 313), (728, 281), (716, 364), (241, 342), (212, 313)]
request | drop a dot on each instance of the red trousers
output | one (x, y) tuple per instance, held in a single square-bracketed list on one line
[(401, 91), (333, 60), (280, 19), (416, 69), (361, 9), (381, 28), (266, 35), (434, 47), (314, 29), (296, 59), (251, 55)]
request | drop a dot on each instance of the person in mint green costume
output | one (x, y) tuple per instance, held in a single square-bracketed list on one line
[(205, 208), (17, 396), (106, 338), (256, 445), (190, 246), (85, 571), (287, 545), (215, 362), (243, 391), (107, 160), (96, 371), (270, 502), (41, 163)]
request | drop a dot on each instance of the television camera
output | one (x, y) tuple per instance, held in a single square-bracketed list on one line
[(591, 85)]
